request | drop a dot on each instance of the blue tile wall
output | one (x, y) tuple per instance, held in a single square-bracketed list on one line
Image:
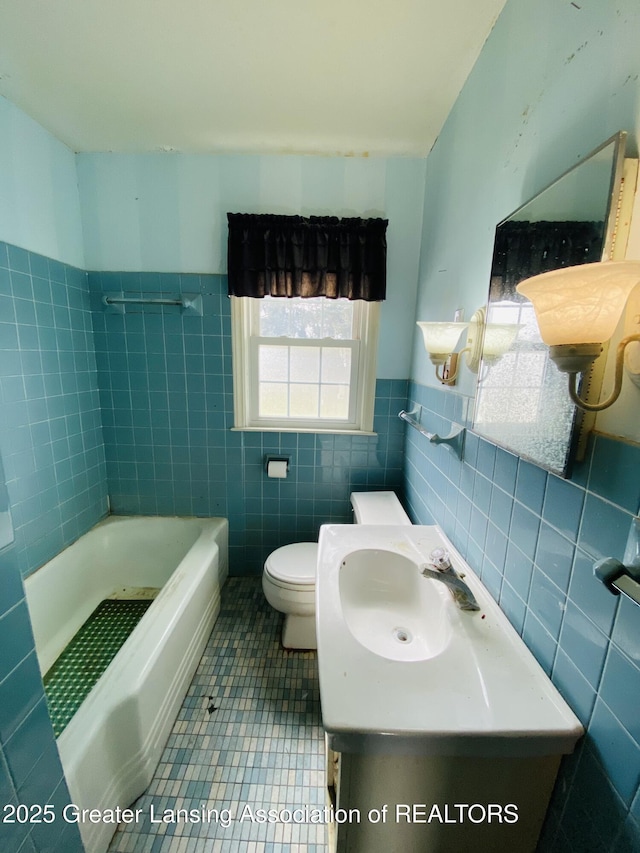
[(50, 430), (30, 769), (166, 392), (533, 538)]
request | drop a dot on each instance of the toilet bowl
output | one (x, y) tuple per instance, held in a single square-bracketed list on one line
[(289, 585), (289, 576)]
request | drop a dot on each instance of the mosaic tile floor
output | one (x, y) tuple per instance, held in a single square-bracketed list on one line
[(248, 737), (71, 678)]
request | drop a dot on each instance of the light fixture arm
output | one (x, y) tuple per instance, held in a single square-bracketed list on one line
[(440, 368), (617, 384)]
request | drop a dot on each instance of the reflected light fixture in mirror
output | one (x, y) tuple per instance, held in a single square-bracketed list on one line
[(578, 309), (484, 341), (498, 338), (488, 341)]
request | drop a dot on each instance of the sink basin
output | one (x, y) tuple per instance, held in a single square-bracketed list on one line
[(404, 671), (390, 608)]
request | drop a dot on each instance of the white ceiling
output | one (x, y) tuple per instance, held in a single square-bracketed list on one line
[(261, 76)]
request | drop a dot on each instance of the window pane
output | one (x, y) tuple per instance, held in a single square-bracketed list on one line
[(337, 319), (273, 400), (303, 401), (273, 364), (336, 364), (306, 318), (334, 402), (305, 364), (274, 317)]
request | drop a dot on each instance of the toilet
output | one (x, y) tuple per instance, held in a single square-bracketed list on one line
[(289, 576)]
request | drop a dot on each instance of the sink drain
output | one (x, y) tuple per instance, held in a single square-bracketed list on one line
[(402, 635)]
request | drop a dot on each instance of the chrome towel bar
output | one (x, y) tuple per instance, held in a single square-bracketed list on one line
[(454, 441), (189, 302)]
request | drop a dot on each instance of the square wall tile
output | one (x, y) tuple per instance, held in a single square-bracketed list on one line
[(505, 470), (594, 810), (590, 594), (540, 641), (604, 528), (525, 526), (614, 473), (616, 750), (546, 602), (626, 633), (518, 570), (584, 644), (486, 458), (554, 556), (514, 607), (573, 686), (620, 689), (530, 485), (563, 503)]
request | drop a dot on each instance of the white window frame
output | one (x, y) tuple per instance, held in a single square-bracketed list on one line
[(245, 343)]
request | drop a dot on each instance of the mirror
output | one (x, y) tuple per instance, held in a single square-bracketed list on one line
[(521, 398)]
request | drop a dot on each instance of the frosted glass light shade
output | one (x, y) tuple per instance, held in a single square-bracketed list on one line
[(498, 338), (441, 339), (582, 304)]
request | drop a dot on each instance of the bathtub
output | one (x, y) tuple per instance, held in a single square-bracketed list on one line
[(112, 745)]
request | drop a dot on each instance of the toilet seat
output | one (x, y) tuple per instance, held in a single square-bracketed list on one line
[(293, 565), (289, 585)]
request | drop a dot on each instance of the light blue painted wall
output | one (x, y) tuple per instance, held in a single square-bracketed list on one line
[(39, 199), (553, 81), (167, 213)]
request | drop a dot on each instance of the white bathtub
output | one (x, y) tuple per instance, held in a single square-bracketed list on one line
[(111, 747)]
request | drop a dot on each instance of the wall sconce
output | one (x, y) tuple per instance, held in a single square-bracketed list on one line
[(578, 309), (487, 341), (440, 341)]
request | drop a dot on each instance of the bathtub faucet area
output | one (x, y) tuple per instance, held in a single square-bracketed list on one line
[(441, 569)]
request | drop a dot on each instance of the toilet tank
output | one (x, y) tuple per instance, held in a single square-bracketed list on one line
[(378, 508)]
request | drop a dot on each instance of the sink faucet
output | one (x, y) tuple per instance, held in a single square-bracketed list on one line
[(440, 569)]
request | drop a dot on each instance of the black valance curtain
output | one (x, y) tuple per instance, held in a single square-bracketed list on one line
[(523, 249), (270, 255)]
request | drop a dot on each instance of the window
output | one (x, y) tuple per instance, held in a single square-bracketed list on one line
[(304, 364)]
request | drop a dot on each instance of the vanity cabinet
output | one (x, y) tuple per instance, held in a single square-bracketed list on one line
[(436, 804)]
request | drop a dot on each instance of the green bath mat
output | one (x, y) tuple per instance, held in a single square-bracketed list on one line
[(89, 653)]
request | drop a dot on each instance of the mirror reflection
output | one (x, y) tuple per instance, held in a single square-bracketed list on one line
[(521, 398)]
